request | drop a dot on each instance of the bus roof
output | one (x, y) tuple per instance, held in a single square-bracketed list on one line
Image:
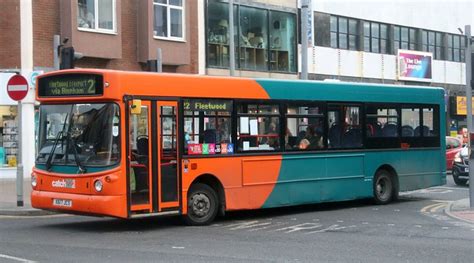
[(120, 83)]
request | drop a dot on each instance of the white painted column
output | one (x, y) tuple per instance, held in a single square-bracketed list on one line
[(27, 105), (201, 37)]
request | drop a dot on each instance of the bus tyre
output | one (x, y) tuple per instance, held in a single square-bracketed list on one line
[(202, 205), (384, 188), (456, 179)]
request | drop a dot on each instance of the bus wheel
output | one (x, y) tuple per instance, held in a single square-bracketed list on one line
[(202, 205), (384, 187)]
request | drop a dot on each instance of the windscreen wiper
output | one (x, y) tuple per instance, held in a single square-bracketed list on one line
[(82, 169), (51, 153), (49, 162)]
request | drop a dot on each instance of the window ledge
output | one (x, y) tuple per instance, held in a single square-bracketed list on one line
[(170, 39), (106, 32)]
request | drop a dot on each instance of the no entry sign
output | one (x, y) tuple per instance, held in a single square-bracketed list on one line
[(17, 87)]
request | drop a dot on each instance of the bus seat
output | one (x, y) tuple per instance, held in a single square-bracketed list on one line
[(390, 130), (334, 136), (209, 136), (352, 138), (407, 131), (141, 176), (425, 130), (142, 145), (142, 150), (370, 130)]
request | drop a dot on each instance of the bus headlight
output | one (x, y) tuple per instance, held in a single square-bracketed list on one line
[(98, 185), (33, 181)]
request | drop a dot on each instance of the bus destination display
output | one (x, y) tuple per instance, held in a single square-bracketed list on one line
[(207, 105), (70, 85)]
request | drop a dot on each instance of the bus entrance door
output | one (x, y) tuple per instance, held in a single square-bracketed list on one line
[(139, 158), (153, 155), (167, 127)]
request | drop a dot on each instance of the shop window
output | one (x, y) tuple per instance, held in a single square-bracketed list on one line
[(8, 136), (96, 15), (169, 19), (265, 40), (382, 122), (304, 128), (282, 42), (253, 38), (218, 34), (344, 127), (208, 127), (258, 127)]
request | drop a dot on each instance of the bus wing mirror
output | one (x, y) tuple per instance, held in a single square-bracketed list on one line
[(136, 107)]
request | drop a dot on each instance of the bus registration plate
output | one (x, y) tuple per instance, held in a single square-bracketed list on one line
[(466, 170), (62, 202)]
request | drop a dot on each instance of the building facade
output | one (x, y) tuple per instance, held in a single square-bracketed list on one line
[(370, 41), (109, 34)]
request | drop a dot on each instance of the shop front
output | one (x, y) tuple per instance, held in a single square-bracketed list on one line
[(8, 130)]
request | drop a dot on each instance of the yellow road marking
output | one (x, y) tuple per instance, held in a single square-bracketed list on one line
[(433, 207)]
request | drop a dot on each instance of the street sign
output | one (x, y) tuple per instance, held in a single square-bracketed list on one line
[(17, 87)]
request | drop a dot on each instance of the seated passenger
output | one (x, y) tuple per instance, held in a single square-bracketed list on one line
[(314, 138), (304, 144)]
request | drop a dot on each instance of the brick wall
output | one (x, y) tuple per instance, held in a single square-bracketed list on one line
[(129, 39), (10, 56), (45, 26)]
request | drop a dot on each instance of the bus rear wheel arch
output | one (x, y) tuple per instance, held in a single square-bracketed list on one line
[(206, 199), (202, 205), (385, 186)]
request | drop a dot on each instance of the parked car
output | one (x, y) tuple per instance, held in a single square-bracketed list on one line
[(453, 146), (461, 167)]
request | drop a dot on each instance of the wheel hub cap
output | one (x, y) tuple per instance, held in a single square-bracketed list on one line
[(200, 205)]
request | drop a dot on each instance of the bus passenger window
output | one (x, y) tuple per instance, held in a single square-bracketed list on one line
[(430, 128), (381, 121), (305, 128), (410, 122), (344, 127), (258, 127), (207, 126)]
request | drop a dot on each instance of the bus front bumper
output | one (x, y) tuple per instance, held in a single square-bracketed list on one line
[(115, 206)]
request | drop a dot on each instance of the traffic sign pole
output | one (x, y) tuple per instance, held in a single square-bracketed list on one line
[(17, 88), (19, 170)]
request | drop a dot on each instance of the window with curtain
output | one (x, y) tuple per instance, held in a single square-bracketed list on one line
[(168, 19), (96, 15)]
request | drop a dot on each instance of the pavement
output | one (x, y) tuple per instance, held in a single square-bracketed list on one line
[(459, 209), (8, 200)]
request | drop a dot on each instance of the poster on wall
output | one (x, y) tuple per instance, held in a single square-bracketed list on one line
[(461, 105), (414, 65)]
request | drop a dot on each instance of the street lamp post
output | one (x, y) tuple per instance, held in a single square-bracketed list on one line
[(304, 39), (467, 31), (231, 39)]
